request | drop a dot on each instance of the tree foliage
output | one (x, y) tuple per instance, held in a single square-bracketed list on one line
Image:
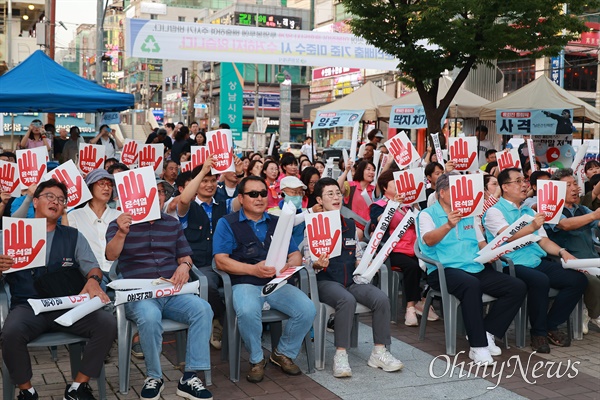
[(431, 36)]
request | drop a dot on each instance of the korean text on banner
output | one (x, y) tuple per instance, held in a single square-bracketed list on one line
[(508, 158), (491, 254), (129, 154), (551, 199), (57, 303), (9, 178), (155, 292), (151, 155), (435, 138), (110, 118), (91, 157), (535, 122), (232, 95), (409, 116), (137, 192), (24, 239), (32, 165), (466, 194), (463, 151), (77, 191), (402, 149), (324, 232), (191, 41), (506, 234), (220, 146), (333, 119), (411, 183)]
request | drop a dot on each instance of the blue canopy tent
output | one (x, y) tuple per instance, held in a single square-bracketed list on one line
[(39, 84)]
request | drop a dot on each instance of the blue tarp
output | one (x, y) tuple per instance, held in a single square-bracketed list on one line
[(39, 84)]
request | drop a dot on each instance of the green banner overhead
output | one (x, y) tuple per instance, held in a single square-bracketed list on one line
[(232, 97)]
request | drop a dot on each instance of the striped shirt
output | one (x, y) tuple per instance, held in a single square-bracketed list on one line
[(151, 250)]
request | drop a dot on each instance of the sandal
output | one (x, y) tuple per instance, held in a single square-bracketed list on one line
[(559, 338)]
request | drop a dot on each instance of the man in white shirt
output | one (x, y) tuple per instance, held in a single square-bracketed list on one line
[(110, 142), (483, 145), (375, 136)]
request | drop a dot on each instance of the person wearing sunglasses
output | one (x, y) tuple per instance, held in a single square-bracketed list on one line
[(241, 243), (71, 268)]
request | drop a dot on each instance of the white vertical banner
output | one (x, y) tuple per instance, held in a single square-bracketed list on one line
[(435, 137), (531, 153)]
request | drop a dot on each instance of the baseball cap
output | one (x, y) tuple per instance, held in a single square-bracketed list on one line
[(97, 175), (379, 134), (291, 182)]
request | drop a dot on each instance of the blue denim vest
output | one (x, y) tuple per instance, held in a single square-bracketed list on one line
[(249, 248), (341, 268), (63, 251), (199, 232)]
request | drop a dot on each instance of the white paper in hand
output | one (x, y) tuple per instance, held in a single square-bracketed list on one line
[(280, 242)]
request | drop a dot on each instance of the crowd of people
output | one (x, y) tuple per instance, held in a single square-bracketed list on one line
[(227, 222)]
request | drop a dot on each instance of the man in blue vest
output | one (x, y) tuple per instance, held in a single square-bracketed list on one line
[(241, 243), (199, 213), (531, 265), (574, 232), (338, 289), (68, 254), (444, 235)]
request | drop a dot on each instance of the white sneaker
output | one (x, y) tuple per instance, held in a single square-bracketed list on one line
[(385, 360), (481, 355), (341, 367), (596, 321), (410, 318), (586, 321), (493, 349), (432, 316)]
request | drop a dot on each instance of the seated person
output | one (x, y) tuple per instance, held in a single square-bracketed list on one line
[(454, 241), (151, 250), (22, 325), (590, 169), (338, 290), (573, 232), (241, 244), (591, 199), (402, 257), (531, 200), (531, 265)]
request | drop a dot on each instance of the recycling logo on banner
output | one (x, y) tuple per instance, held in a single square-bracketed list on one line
[(150, 45)]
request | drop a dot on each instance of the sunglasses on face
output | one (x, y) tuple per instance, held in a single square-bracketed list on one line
[(255, 193)]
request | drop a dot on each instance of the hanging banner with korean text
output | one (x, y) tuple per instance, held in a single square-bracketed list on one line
[(466, 194), (324, 231), (333, 119), (230, 43), (24, 239), (231, 101), (137, 193), (67, 173), (463, 151), (409, 116), (535, 122)]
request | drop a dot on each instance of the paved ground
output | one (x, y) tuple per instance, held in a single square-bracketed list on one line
[(574, 373)]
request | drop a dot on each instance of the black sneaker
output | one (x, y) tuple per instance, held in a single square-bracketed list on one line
[(193, 389), (151, 389), (331, 323), (27, 395), (83, 392)]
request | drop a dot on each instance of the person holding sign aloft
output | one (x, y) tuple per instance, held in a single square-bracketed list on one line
[(338, 289), (531, 265), (453, 240), (70, 268)]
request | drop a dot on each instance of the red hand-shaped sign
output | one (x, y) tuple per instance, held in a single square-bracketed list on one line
[(402, 152), (319, 236), (134, 198), (406, 184), (73, 189), (186, 166), (219, 146), (148, 158), (506, 161), (129, 153), (548, 201), (18, 243), (459, 153), (463, 198), (9, 181), (199, 156), (29, 172), (88, 159)]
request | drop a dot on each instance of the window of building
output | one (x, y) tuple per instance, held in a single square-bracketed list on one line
[(581, 72), (181, 19), (340, 12), (517, 73), (153, 16)]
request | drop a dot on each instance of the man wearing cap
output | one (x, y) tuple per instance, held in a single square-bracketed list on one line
[(92, 220), (375, 136), (292, 190), (159, 249), (241, 243), (106, 138), (227, 187)]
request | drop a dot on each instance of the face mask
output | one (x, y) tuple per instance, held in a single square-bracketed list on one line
[(295, 200)]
